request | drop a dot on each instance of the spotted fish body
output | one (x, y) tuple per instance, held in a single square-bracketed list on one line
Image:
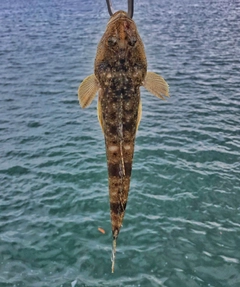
[(120, 70)]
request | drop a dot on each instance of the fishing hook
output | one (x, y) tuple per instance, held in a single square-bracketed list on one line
[(130, 7)]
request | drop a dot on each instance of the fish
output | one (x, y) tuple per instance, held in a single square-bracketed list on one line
[(120, 69)]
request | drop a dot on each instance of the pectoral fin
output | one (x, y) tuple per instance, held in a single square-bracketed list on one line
[(156, 85), (87, 91)]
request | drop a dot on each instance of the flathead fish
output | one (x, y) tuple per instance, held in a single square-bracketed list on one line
[(119, 71)]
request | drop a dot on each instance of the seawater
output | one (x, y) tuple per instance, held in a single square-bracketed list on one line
[(182, 223)]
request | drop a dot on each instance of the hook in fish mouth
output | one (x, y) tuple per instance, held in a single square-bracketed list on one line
[(130, 7)]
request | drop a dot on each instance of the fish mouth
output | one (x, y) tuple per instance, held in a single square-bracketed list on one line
[(122, 60)]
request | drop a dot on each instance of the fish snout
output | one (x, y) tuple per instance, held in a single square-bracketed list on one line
[(122, 44)]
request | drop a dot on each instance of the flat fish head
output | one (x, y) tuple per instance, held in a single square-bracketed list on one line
[(122, 36), (120, 50)]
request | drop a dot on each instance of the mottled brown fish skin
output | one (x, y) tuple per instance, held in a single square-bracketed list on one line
[(120, 68)]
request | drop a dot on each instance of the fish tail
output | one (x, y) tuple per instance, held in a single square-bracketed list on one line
[(114, 245), (119, 171)]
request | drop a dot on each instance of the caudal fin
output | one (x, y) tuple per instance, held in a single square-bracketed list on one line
[(114, 245)]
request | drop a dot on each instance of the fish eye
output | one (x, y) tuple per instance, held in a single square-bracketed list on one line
[(112, 41), (132, 41)]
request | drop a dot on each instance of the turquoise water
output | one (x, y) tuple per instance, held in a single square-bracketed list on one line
[(182, 223)]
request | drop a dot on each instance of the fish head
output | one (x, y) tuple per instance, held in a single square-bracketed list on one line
[(121, 34), (120, 49)]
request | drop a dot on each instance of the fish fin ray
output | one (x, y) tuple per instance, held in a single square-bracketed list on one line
[(139, 113), (87, 91), (113, 253), (156, 85)]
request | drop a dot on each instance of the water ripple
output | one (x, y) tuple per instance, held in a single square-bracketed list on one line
[(181, 226)]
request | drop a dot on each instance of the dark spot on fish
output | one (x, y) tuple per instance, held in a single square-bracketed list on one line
[(128, 126), (118, 208), (116, 184), (128, 168), (112, 116), (132, 41), (114, 169), (127, 97), (120, 92), (113, 129)]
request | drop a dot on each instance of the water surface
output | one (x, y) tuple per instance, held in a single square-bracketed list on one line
[(182, 223)]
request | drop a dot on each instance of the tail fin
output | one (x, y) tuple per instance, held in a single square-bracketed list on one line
[(114, 245)]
